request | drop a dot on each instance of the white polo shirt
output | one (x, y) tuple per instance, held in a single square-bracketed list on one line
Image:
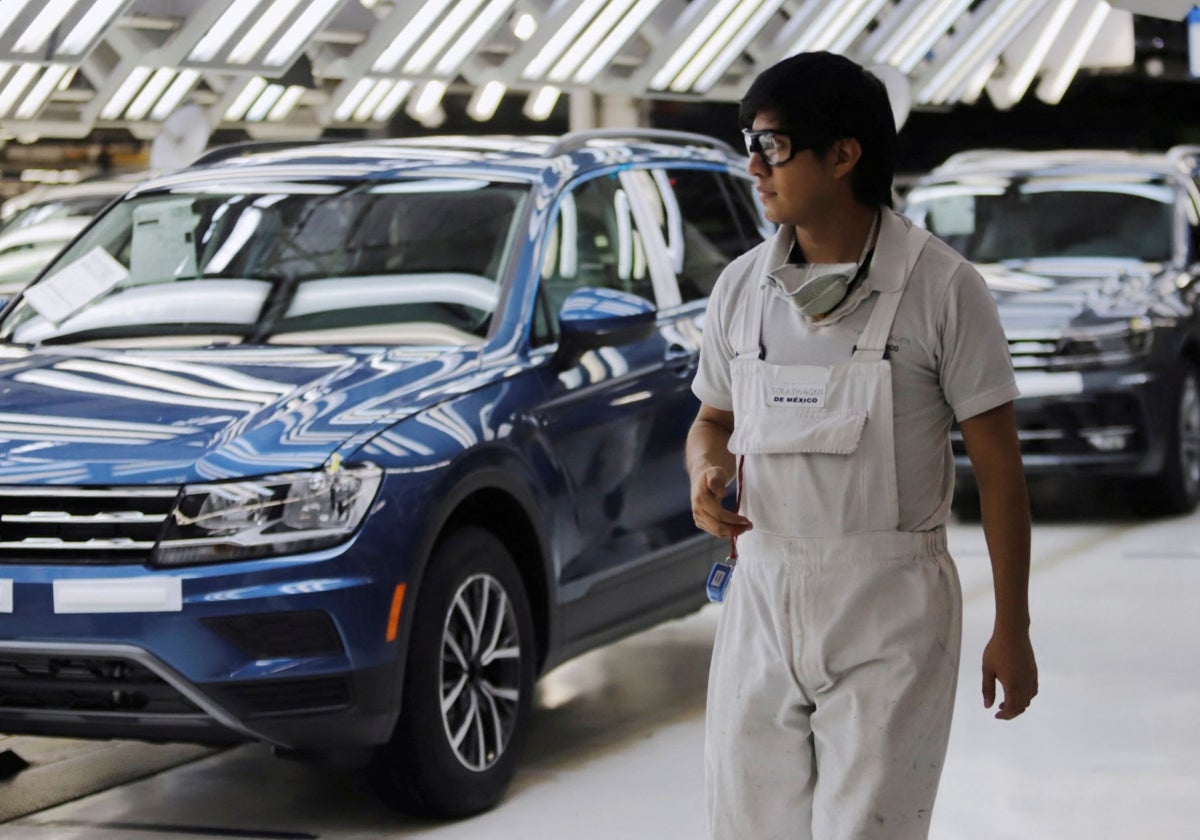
[(947, 349)]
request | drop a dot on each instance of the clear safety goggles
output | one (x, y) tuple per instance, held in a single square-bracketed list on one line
[(776, 147)]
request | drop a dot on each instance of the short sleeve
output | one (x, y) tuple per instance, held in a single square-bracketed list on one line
[(712, 384), (976, 369)]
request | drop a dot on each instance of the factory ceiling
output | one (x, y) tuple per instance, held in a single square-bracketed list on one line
[(294, 68)]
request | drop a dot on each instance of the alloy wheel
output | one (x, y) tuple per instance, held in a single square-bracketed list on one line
[(1189, 434), (480, 676)]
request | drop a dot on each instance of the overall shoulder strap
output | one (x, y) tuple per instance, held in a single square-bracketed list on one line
[(872, 344)]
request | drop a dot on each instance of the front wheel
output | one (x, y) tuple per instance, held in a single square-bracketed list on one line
[(468, 684), (1176, 489)]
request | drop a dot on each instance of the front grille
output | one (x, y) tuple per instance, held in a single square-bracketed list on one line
[(86, 684), (1033, 352), (87, 526), (280, 635)]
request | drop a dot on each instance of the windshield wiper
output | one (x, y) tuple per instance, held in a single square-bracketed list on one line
[(147, 331)]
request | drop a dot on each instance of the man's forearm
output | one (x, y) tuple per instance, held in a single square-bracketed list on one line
[(1004, 507), (708, 446)]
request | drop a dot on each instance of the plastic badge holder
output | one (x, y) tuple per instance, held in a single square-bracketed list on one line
[(718, 580)]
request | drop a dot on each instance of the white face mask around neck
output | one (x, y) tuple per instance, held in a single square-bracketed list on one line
[(817, 288)]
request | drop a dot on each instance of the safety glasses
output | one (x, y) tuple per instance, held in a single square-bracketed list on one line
[(776, 147)]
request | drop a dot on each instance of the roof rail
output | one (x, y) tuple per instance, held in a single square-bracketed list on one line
[(575, 140), (1185, 155), (251, 147), (975, 155)]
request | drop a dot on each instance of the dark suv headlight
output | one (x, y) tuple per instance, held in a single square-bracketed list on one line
[(264, 517), (1111, 344)]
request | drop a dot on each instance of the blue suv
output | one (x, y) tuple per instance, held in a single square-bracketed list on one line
[(338, 447)]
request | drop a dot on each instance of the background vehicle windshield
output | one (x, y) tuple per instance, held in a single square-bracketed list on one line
[(1042, 217), (401, 262)]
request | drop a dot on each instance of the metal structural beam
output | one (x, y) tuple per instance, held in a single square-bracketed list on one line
[(293, 68)]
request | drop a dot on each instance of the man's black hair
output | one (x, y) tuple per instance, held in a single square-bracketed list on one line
[(820, 98)]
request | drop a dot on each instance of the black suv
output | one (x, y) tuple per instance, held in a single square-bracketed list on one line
[(1093, 259)]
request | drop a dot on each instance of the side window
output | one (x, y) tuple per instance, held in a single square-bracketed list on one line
[(708, 218), (594, 241)]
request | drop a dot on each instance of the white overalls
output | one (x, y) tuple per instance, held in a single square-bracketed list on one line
[(836, 656)]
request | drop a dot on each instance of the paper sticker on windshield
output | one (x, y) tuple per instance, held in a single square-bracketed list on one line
[(75, 286), (164, 244), (952, 215)]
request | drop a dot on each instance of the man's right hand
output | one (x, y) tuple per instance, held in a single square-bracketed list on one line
[(708, 491)]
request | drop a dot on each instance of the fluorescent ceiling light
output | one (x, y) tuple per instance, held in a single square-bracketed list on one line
[(484, 23), (616, 39), (208, 46), (297, 35), (724, 34), (429, 99), (525, 27), (912, 41), (1054, 85), (821, 31), (250, 93), (265, 102), (691, 44), (361, 88), (1023, 77), (589, 39), (16, 86), (848, 32), (564, 35), (712, 74), (541, 102), (437, 40), (169, 101), (367, 107), (253, 40), (486, 100), (89, 27), (978, 82), (286, 104), (150, 93), (409, 35), (391, 102), (979, 46), (41, 91), (38, 32), (125, 92)]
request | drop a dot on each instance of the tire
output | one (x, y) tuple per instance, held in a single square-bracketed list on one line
[(1176, 489), (458, 762)]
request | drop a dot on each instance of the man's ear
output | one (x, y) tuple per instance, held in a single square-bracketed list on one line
[(846, 154)]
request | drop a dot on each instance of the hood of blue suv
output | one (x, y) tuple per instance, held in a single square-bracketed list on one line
[(94, 416)]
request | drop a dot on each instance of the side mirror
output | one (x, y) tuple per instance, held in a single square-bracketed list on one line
[(592, 318)]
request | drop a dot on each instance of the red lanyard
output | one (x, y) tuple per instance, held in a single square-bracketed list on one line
[(737, 508)]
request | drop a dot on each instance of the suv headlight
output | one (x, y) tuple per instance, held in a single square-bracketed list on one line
[(1111, 344), (264, 517)]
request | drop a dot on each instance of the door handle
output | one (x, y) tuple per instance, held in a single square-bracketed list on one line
[(681, 360)]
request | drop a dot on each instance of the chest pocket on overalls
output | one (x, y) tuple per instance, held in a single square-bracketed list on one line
[(820, 447), (796, 409)]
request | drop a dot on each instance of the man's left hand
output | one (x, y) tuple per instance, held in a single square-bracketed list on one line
[(1009, 659)]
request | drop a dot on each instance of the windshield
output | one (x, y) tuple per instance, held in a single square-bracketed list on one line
[(84, 206), (1034, 218), (401, 262)]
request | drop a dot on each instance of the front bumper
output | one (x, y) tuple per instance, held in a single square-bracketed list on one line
[(289, 651), (1103, 423)]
